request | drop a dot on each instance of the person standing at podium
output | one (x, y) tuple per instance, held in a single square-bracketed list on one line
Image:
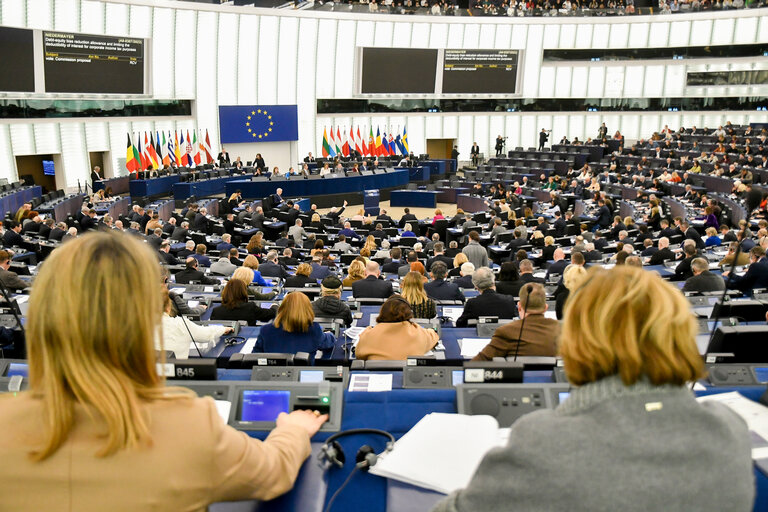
[(631, 436), (98, 425)]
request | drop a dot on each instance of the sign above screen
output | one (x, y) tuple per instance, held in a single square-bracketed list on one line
[(437, 72), (50, 62)]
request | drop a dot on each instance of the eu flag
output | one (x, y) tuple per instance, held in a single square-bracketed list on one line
[(258, 123)]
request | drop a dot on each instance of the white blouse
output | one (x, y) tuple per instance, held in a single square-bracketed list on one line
[(175, 335)]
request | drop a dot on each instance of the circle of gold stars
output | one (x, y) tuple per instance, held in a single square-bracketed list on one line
[(264, 113)]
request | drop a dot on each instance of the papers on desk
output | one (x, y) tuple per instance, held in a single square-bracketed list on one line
[(470, 347), (370, 382), (550, 314), (223, 407), (540, 275), (755, 415), (442, 451), (452, 313), (248, 346), (178, 291), (193, 303), (21, 299), (208, 289)]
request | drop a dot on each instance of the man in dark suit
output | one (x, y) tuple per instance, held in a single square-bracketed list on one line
[(46, 228), (165, 254), (10, 279), (378, 232), (666, 230), (88, 222), (201, 221), (683, 270), (180, 233), (408, 217), (271, 267), (603, 219), (664, 253), (439, 288), (190, 273), (756, 275), (372, 287), (288, 259), (559, 225), (96, 175), (526, 276), (188, 250), (385, 219), (57, 232), (11, 237), (169, 226), (395, 263), (439, 255), (516, 242), (474, 153), (488, 303), (558, 267), (309, 158), (703, 280), (692, 234), (258, 218), (156, 238), (223, 158), (292, 214), (277, 198)]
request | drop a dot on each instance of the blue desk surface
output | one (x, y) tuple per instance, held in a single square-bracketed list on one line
[(153, 186), (314, 187)]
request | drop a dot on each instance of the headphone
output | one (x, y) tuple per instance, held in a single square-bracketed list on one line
[(331, 453), (233, 340)]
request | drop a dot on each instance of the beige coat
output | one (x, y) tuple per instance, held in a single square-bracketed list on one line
[(395, 341), (194, 459)]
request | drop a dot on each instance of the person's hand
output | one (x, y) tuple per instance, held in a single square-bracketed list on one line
[(726, 273), (311, 421), (345, 204), (204, 306), (229, 330)]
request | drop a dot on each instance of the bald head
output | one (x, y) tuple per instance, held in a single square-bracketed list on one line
[(372, 269)]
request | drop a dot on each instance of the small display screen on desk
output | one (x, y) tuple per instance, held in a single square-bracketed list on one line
[(563, 396), (311, 376), (264, 405), (17, 369), (457, 377), (761, 374)]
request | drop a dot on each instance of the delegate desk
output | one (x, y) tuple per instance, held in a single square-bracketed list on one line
[(420, 198), (119, 185), (395, 411), (203, 188), (470, 203), (298, 187), (13, 200), (419, 173), (114, 208), (62, 208), (153, 187), (163, 208)]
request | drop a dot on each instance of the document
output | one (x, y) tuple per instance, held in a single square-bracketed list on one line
[(754, 414), (248, 346), (452, 313), (223, 407), (442, 451), (178, 291), (470, 347), (370, 382)]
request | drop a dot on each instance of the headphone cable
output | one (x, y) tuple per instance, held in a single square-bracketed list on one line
[(341, 488)]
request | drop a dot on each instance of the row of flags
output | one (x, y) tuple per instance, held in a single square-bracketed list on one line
[(157, 151), (342, 143)]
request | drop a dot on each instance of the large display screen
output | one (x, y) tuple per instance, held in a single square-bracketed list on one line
[(17, 60), (79, 63), (480, 71), (398, 71), (263, 405)]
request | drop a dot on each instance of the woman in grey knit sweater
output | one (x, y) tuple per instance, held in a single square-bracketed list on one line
[(631, 437)]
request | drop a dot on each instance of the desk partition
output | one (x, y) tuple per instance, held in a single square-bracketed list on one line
[(12, 201), (153, 187), (118, 185), (61, 208)]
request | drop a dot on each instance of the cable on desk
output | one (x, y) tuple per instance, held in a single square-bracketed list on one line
[(338, 491)]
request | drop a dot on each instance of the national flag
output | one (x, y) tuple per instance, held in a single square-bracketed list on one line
[(190, 150), (379, 148), (352, 140), (384, 145), (132, 158), (142, 158), (176, 149), (392, 147), (208, 150), (198, 148), (338, 141), (158, 150), (164, 150), (399, 143), (171, 151), (327, 149), (405, 141), (184, 149), (359, 143), (332, 143), (153, 152), (371, 143), (147, 154), (345, 146)]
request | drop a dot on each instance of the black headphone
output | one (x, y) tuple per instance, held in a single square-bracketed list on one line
[(331, 453), (233, 340)]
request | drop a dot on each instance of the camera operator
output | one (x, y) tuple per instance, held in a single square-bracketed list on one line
[(500, 142), (543, 137)]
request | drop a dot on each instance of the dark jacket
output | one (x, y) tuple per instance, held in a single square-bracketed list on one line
[(488, 303), (188, 275), (440, 289), (371, 288), (251, 312), (270, 269), (704, 282), (332, 307), (661, 256), (298, 281)]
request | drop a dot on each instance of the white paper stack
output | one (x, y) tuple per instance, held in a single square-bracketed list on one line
[(470, 347), (442, 451)]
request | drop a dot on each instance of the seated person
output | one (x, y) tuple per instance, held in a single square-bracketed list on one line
[(465, 281), (8, 278), (508, 274), (246, 276), (408, 230), (178, 332), (628, 345), (252, 262), (329, 304), (372, 287), (488, 303), (191, 274), (120, 436), (458, 260), (395, 337), (235, 305), (301, 279), (439, 288), (532, 335), (703, 280), (355, 273), (412, 290), (294, 330)]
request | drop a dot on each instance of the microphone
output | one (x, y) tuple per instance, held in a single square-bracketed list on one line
[(529, 288), (184, 321)]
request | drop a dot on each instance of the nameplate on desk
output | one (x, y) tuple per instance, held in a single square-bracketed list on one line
[(203, 369), (494, 373)]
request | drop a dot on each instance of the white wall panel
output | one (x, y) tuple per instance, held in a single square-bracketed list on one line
[(97, 136), (363, 33), (420, 35), (471, 36), (746, 30), (91, 17), (559, 128), (401, 35), (383, 34), (204, 68), (247, 58), (455, 35), (533, 53), (305, 96), (40, 15), (450, 126), (600, 36), (658, 35), (66, 15), (163, 62), (345, 58), (579, 79), (487, 36), (762, 30), (46, 138), (266, 84), (226, 59), (584, 35), (547, 81), (654, 82), (23, 139), (438, 35), (630, 127), (118, 139), (674, 81), (14, 13), (679, 33), (433, 127), (552, 36), (563, 82), (620, 35), (7, 159), (417, 134), (529, 133), (467, 132), (519, 36), (503, 36), (576, 127), (567, 36), (497, 125), (701, 32), (596, 81), (74, 155), (722, 32), (633, 81), (638, 35), (326, 53), (117, 19), (512, 129), (649, 123), (185, 34), (140, 23)]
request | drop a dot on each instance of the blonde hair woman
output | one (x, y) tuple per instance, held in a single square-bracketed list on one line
[(370, 244), (458, 261), (98, 424), (573, 277), (355, 273), (252, 262), (628, 343), (256, 244), (301, 277), (295, 330), (412, 290)]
